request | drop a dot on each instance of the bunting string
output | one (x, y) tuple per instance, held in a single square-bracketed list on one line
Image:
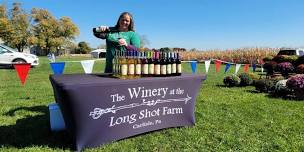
[(82, 60), (214, 61), (87, 65), (218, 63)]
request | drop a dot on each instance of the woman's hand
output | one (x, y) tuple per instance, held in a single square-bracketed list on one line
[(103, 28), (122, 42)]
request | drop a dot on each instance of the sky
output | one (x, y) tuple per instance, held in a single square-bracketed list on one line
[(200, 24)]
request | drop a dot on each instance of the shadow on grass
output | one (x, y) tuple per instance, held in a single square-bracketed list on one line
[(33, 131), (225, 86), (6, 67), (275, 96), (222, 86), (286, 97), (253, 91)]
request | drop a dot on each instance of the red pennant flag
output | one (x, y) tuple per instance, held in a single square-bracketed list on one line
[(246, 67), (217, 66), (22, 70), (261, 61)]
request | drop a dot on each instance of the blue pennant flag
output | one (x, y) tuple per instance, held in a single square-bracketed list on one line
[(57, 67), (228, 65), (253, 67), (193, 66)]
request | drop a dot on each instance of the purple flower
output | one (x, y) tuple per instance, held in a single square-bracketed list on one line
[(285, 68), (296, 82)]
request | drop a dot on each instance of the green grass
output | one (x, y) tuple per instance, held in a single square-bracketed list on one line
[(227, 119)]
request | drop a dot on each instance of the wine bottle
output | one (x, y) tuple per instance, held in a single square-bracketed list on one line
[(131, 65), (97, 30), (138, 65), (114, 64), (145, 65), (157, 64), (169, 64), (124, 66), (119, 58), (178, 65), (173, 65), (102, 34), (163, 66), (151, 63)]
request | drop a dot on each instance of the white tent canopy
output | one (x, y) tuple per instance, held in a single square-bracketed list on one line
[(99, 53)]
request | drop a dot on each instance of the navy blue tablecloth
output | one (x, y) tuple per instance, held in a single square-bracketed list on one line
[(98, 109)]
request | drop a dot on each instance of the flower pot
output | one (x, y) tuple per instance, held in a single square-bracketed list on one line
[(299, 94)]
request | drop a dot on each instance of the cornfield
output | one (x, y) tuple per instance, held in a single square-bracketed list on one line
[(241, 55)]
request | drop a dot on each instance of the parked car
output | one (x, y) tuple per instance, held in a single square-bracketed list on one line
[(298, 52), (8, 56)]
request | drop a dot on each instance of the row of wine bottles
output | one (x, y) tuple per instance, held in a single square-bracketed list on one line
[(133, 64)]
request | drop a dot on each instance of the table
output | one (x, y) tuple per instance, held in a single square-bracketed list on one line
[(98, 109)]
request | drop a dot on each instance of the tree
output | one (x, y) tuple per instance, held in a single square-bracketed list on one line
[(70, 47), (51, 34), (144, 41), (165, 49), (83, 47), (193, 50), (102, 46), (3, 11), (15, 27), (5, 25)]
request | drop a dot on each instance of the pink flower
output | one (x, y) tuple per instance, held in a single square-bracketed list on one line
[(296, 82)]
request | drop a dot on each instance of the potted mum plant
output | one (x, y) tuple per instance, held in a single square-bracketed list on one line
[(296, 83), (284, 68)]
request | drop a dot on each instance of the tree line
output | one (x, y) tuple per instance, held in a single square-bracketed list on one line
[(39, 29)]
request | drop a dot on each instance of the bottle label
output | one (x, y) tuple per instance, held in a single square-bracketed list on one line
[(138, 69), (157, 69), (116, 68), (124, 69), (169, 69), (151, 68), (173, 68), (131, 69), (163, 70), (146, 69), (179, 68)]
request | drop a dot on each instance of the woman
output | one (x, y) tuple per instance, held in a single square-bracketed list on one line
[(121, 36)]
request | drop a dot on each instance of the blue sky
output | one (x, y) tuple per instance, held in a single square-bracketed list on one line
[(201, 24)]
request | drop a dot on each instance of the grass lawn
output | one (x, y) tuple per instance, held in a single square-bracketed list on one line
[(227, 119)]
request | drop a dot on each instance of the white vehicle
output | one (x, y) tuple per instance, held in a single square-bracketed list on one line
[(8, 56), (298, 52)]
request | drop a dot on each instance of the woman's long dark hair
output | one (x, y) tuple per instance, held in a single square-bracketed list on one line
[(131, 26)]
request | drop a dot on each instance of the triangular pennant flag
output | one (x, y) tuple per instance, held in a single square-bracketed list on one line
[(207, 65), (87, 65), (261, 61), (237, 68), (193, 66), (57, 67), (246, 67), (218, 65), (228, 65), (253, 67), (22, 70)]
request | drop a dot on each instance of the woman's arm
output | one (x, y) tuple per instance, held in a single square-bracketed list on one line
[(101, 35)]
